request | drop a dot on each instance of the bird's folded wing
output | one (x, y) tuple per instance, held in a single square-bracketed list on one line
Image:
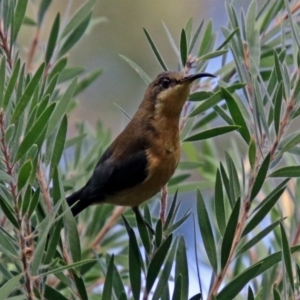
[(112, 176)]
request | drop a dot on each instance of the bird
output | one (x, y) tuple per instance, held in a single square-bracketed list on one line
[(144, 156)]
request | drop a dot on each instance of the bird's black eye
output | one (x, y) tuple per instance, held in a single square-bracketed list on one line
[(165, 82)]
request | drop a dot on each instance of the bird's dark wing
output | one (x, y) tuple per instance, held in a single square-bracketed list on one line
[(112, 176)]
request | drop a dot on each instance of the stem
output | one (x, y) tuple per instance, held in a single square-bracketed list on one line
[(33, 50), (6, 48), (14, 193), (44, 187)]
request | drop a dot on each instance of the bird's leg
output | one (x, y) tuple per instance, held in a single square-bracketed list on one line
[(138, 214), (163, 204)]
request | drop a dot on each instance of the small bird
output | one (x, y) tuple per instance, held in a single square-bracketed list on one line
[(142, 159)]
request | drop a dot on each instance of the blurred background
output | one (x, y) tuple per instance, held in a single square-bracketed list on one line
[(118, 29)]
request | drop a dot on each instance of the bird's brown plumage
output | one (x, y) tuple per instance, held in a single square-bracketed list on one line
[(144, 156)]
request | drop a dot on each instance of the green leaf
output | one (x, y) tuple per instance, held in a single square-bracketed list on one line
[(156, 263), (219, 204), (33, 202), (181, 269), (68, 267), (229, 37), (183, 48), (143, 230), (260, 177), (229, 233), (138, 69), (206, 232), (18, 18), (158, 233), (87, 81), (165, 274), (211, 133), (287, 256), (74, 36), (292, 171), (58, 145), (35, 131), (24, 174), (236, 115), (188, 29), (266, 206), (257, 238), (211, 55), (2, 79), (252, 153), (294, 141), (238, 283), (135, 267), (30, 88), (177, 294), (195, 37), (10, 286), (42, 10), (200, 96), (52, 39), (61, 107), (155, 51), (277, 106), (108, 284), (52, 293), (79, 16)]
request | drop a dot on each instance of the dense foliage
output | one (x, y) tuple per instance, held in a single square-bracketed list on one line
[(248, 236)]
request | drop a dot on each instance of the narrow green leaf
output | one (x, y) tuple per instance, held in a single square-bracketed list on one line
[(24, 174), (200, 96), (211, 55), (42, 10), (8, 212), (289, 145), (87, 81), (52, 39), (108, 284), (172, 211), (52, 293), (238, 283), (276, 294), (178, 289), (181, 269), (57, 68), (2, 79), (183, 47), (229, 37), (138, 69), (252, 153), (11, 83), (176, 225), (18, 18), (250, 294), (277, 106), (209, 133), (61, 107), (188, 29), (156, 263), (229, 233), (10, 286), (257, 238), (195, 37), (58, 145), (260, 177), (30, 88), (68, 267), (206, 232), (287, 256), (8, 243), (165, 274), (135, 268), (155, 51), (292, 171), (158, 233), (33, 202), (219, 204), (74, 36), (266, 206), (35, 131), (294, 25), (236, 115), (79, 16), (143, 230)]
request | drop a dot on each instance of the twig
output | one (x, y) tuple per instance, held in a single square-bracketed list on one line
[(14, 193), (33, 50), (44, 187), (5, 46), (163, 203), (109, 224)]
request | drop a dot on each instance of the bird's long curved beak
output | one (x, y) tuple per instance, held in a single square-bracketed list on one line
[(191, 78)]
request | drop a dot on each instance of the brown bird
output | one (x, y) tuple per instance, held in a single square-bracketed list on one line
[(144, 156)]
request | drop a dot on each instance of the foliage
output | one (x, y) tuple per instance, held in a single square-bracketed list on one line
[(248, 238)]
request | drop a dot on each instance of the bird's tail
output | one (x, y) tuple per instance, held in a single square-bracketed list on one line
[(80, 205)]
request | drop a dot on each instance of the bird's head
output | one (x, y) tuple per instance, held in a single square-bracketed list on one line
[(170, 90)]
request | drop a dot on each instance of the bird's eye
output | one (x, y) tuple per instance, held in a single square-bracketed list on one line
[(165, 82)]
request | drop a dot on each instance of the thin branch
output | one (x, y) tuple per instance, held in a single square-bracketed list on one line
[(44, 187)]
